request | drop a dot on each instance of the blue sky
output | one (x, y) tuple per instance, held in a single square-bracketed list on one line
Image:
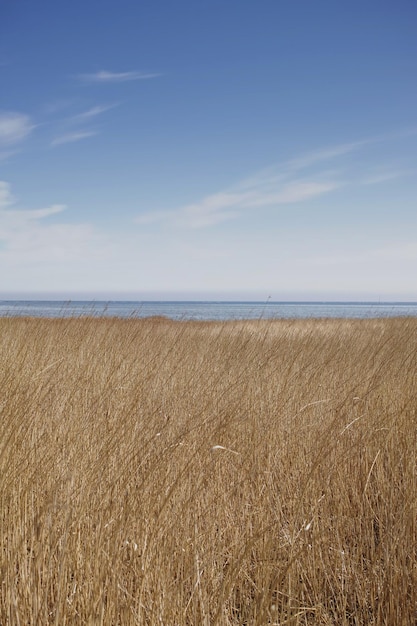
[(214, 149)]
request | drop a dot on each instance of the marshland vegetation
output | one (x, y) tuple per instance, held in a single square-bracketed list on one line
[(213, 473)]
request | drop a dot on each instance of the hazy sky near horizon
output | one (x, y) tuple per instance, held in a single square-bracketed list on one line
[(209, 149)]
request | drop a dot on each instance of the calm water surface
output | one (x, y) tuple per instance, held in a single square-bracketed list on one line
[(206, 310)]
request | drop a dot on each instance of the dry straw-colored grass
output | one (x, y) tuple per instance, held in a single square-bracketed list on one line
[(184, 473)]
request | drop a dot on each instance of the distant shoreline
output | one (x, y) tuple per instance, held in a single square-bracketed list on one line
[(207, 310)]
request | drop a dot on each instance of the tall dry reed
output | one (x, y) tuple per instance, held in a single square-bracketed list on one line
[(154, 472)]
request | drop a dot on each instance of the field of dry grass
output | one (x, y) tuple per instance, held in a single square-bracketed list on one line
[(184, 473)]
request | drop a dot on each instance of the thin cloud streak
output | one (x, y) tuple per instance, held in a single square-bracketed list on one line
[(382, 177), (332, 152), (34, 246), (92, 113), (58, 105), (37, 214), (275, 186), (13, 220), (37, 251), (105, 76), (14, 128), (326, 154), (6, 198), (229, 205), (73, 137)]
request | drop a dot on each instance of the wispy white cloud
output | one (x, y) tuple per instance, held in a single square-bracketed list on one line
[(105, 76), (73, 137), (296, 180), (13, 219), (385, 176), (32, 244), (69, 134), (18, 223), (14, 128), (274, 186), (6, 198), (58, 105), (294, 191), (326, 154), (38, 214), (91, 113), (332, 152), (228, 205)]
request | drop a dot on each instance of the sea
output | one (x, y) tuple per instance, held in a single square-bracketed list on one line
[(210, 310)]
